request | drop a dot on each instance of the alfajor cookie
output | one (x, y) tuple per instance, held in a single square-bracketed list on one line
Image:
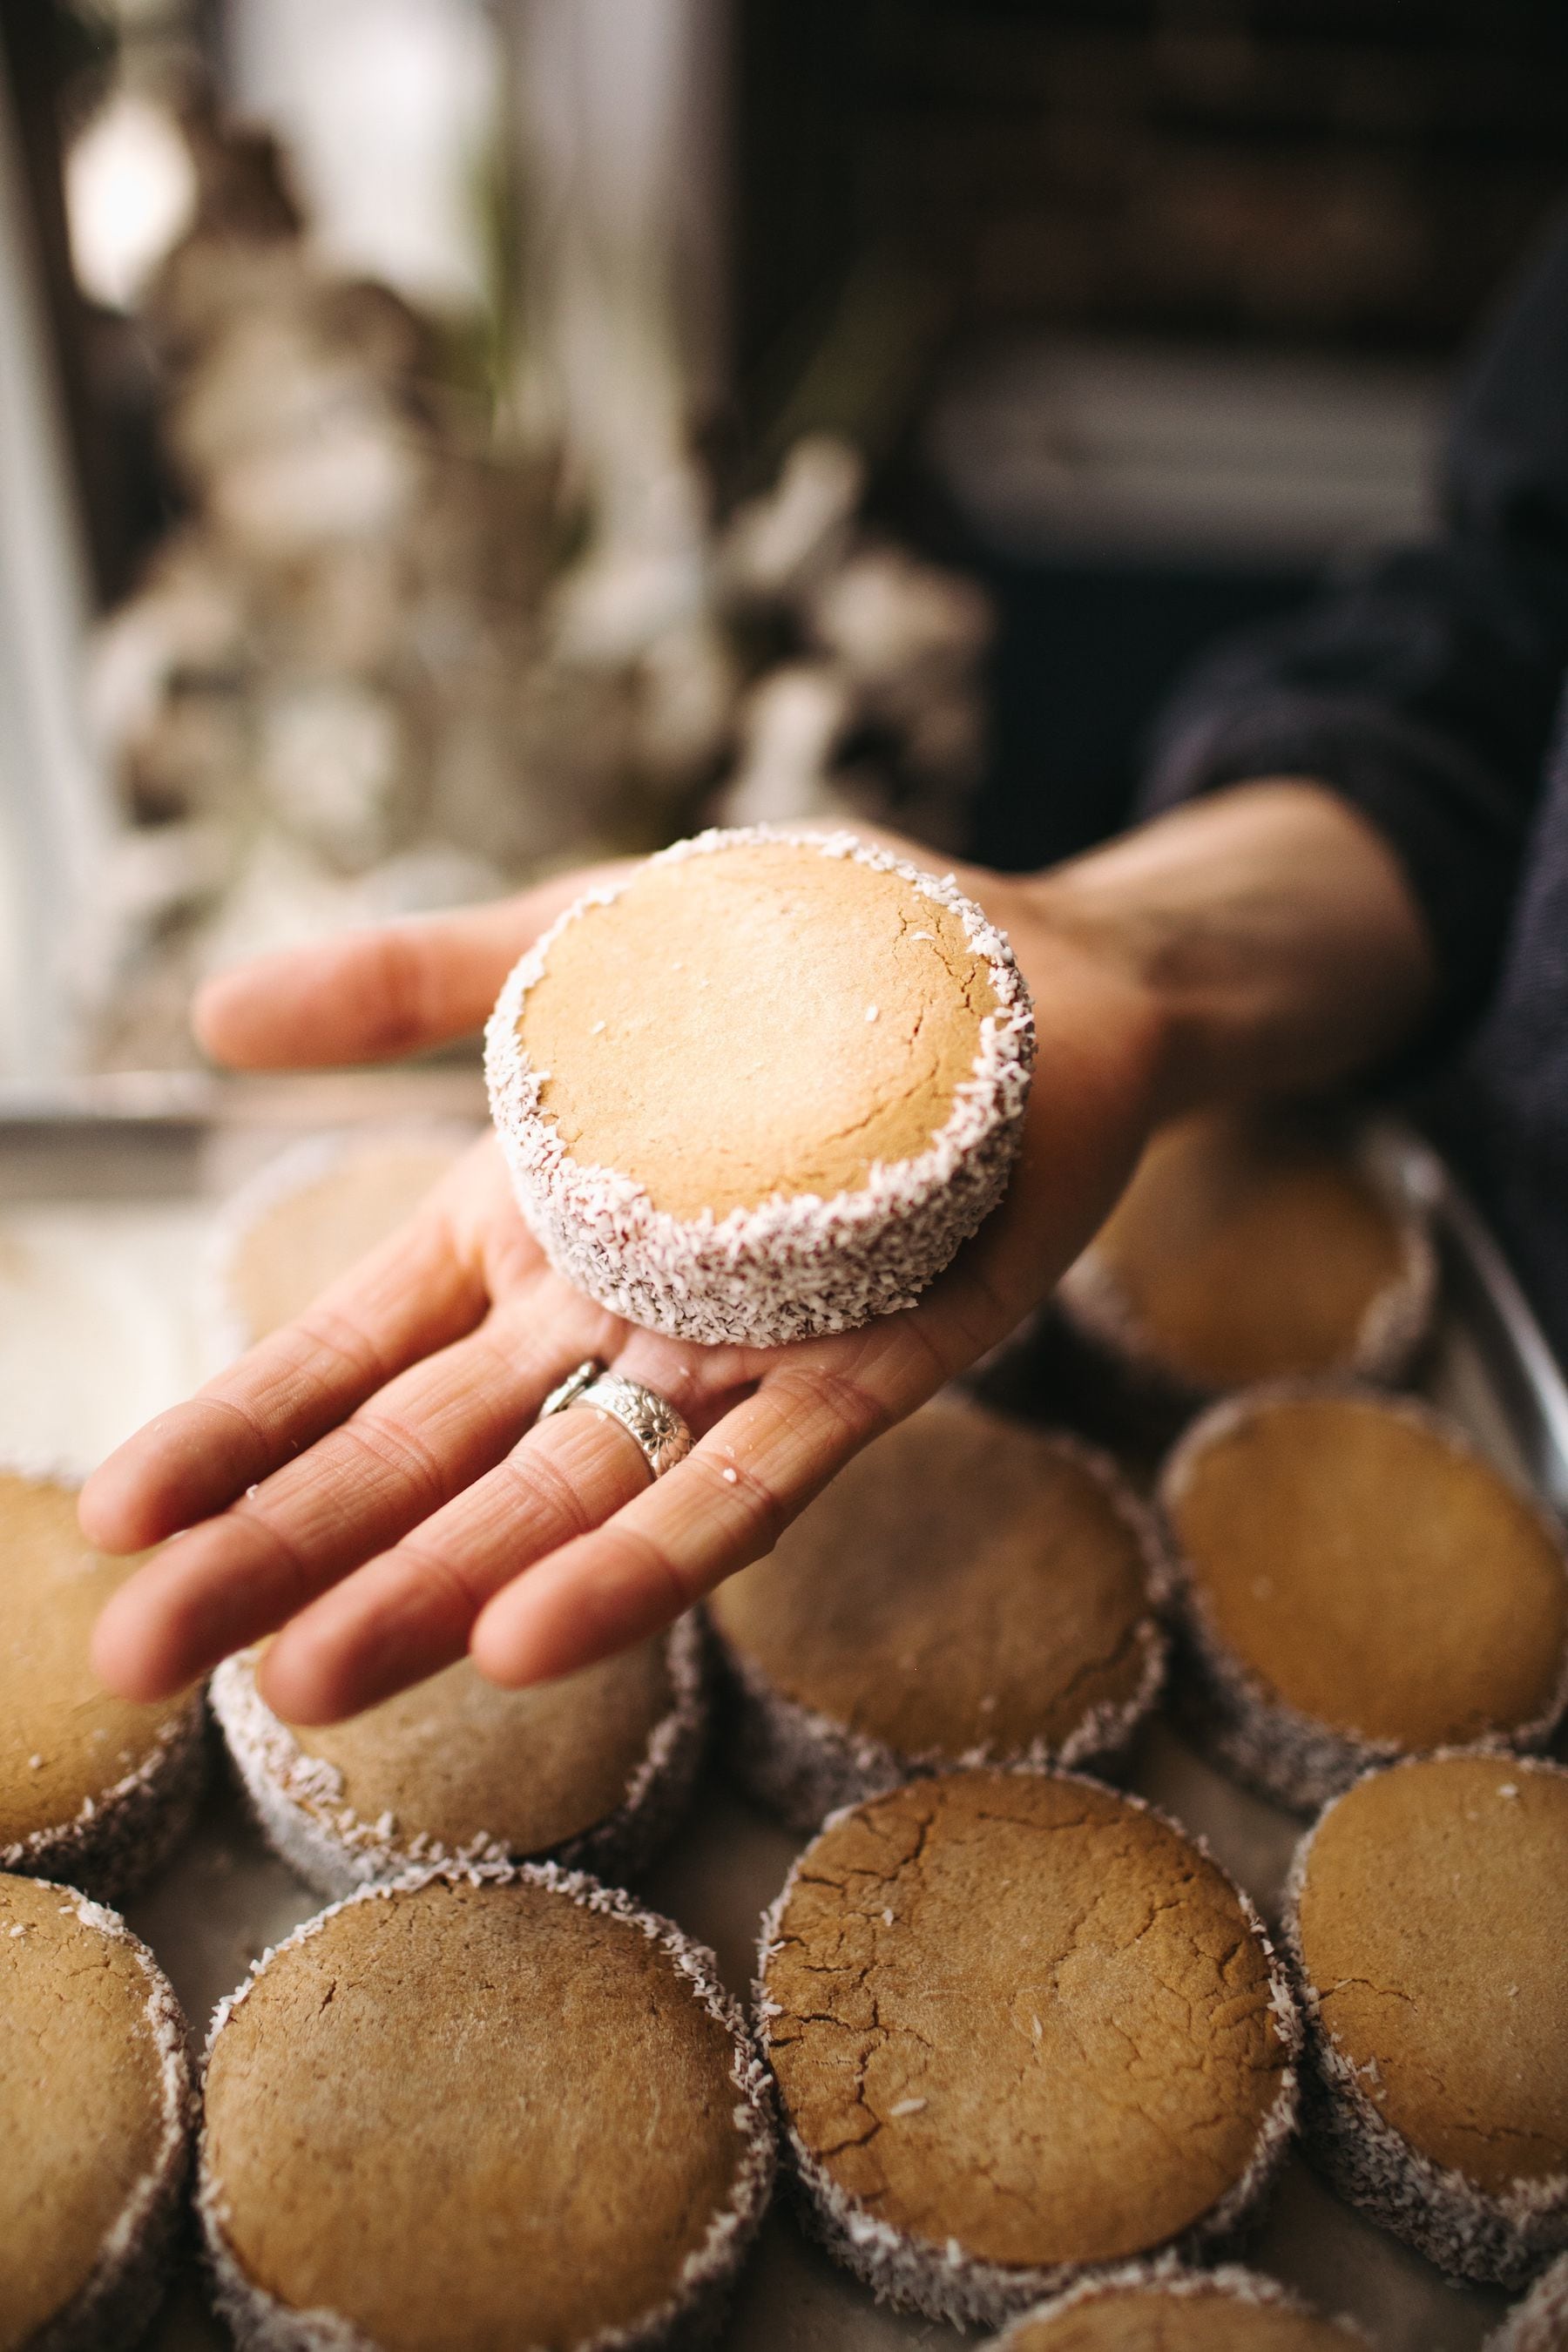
[(1251, 1247), (1161, 2307), (1353, 1582), (1022, 2028), (480, 2107), (763, 1088), (1427, 1922), (97, 2111), (305, 1217), (594, 1769), (92, 1788), (968, 1591)]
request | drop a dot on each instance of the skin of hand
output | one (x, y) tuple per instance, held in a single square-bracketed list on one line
[(369, 1484)]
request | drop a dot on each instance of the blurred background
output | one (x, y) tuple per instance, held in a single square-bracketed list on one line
[(443, 440)]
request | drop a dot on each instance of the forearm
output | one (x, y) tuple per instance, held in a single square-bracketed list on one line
[(1273, 930)]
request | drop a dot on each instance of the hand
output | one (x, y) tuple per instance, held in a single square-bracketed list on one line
[(369, 1479)]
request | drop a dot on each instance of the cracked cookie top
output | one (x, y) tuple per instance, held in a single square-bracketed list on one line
[(67, 1746), (965, 1584), (1367, 1566), (1433, 1926), (757, 1022), (1021, 2016), (479, 2110), (1248, 1249)]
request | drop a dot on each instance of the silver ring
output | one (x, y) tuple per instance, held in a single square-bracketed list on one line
[(659, 1430)]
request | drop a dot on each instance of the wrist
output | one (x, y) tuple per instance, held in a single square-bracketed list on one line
[(1271, 931)]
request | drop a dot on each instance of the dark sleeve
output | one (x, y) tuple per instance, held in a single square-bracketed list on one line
[(1425, 689)]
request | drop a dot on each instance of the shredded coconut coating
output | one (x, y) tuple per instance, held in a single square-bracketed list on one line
[(1171, 2277), (799, 1267), (912, 2273), (298, 1802), (261, 2323), (1465, 2229), (121, 1837), (803, 1765), (1226, 1710), (117, 2300)]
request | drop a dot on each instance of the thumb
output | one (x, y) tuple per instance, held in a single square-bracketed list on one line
[(375, 994)]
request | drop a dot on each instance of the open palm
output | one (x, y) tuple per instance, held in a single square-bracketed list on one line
[(371, 1479)]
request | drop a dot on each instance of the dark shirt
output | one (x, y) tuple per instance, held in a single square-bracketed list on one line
[(1428, 690)]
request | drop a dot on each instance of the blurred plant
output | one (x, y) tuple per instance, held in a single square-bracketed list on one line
[(381, 664)]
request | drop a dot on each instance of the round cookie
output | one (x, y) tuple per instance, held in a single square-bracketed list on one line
[(1540, 2324), (1161, 2307), (1251, 1248), (480, 2107), (1020, 2028), (763, 1088), (1353, 1582), (968, 1591), (97, 2110), (93, 1790), (1427, 1922), (594, 1769), (305, 1217)]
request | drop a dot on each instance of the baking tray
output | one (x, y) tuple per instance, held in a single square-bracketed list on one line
[(108, 1195)]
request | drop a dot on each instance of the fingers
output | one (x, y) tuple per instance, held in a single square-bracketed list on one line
[(414, 1294), (408, 1613), (372, 995), (725, 1504), (422, 1440)]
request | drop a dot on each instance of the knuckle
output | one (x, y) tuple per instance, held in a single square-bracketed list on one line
[(861, 1415), (392, 1445), (651, 1565), (442, 1571), (551, 1495)]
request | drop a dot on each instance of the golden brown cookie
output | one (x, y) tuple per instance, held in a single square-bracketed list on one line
[(1355, 1581), (1247, 1248), (967, 1591), (594, 1769), (1020, 2026), (1161, 2307), (96, 2113), (478, 2108), (93, 1790), (763, 1088), (1427, 1920), (305, 1217)]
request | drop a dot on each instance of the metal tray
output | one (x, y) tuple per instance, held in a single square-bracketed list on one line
[(134, 1177)]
